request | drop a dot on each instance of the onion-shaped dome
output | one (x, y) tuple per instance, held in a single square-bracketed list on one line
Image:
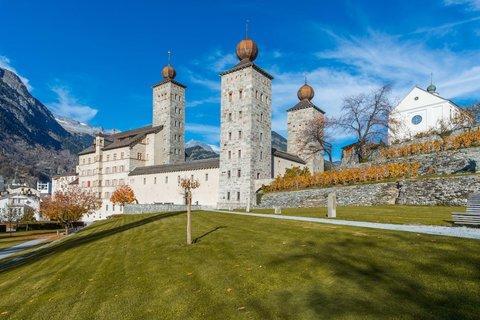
[(432, 88), (247, 49), (168, 72), (305, 92)]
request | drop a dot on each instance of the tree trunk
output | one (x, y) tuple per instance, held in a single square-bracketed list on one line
[(66, 230), (189, 219)]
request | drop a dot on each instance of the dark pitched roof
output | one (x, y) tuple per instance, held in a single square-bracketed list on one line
[(245, 64), (304, 104), (287, 156), (169, 80), (123, 139), (192, 165)]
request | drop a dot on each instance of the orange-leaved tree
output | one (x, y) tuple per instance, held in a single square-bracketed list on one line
[(123, 195), (187, 186), (69, 205)]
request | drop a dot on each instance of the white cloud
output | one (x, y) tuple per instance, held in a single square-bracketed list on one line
[(471, 4), (194, 103), (209, 133), (68, 106), (5, 63)]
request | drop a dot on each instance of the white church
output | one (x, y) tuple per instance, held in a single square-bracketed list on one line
[(420, 111), (151, 159)]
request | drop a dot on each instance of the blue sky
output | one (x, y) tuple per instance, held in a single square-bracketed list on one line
[(95, 61)]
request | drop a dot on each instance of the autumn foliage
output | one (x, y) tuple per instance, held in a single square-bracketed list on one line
[(69, 205), (124, 194), (464, 140), (296, 178)]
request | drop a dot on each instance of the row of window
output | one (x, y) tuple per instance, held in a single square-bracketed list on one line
[(106, 183), (229, 196), (240, 114), (108, 170), (166, 179), (239, 154), (108, 157), (258, 95), (173, 96)]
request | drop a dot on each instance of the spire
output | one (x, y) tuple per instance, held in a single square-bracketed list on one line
[(169, 52), (431, 88), (246, 28)]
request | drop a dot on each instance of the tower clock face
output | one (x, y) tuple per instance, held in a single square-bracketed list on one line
[(416, 119)]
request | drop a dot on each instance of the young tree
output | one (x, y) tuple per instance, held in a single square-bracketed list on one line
[(70, 205), (366, 116), (28, 216), (315, 137), (11, 216), (123, 195), (187, 186)]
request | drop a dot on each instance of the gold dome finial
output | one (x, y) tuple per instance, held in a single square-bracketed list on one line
[(168, 72), (305, 92), (247, 48)]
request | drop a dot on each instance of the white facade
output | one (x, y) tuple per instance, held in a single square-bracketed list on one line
[(419, 112)]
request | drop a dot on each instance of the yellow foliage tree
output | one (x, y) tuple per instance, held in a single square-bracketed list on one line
[(123, 195)]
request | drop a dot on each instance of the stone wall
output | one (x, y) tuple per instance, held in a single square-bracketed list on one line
[(151, 208), (445, 162), (453, 190)]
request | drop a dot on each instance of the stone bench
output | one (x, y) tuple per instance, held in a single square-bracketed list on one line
[(472, 214)]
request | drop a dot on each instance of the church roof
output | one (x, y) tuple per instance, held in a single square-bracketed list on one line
[(123, 139), (184, 166), (245, 64), (286, 156), (304, 104), (169, 80)]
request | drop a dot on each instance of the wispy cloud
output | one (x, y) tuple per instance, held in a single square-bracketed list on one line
[(470, 4), (209, 133), (5, 63), (68, 106), (445, 28), (199, 102)]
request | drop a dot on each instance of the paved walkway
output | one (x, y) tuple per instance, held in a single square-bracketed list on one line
[(459, 232), (4, 253)]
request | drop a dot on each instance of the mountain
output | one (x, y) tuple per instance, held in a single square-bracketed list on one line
[(32, 142), (279, 142), (196, 150)]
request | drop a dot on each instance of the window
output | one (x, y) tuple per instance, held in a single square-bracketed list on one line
[(240, 114), (106, 207), (261, 116), (191, 177), (114, 156), (240, 94), (239, 173), (114, 169), (230, 116), (229, 154), (239, 153), (178, 179), (256, 94), (238, 196), (258, 175), (229, 174), (113, 207), (261, 155), (228, 195), (108, 157), (107, 183), (229, 136), (166, 179), (240, 134), (121, 155), (139, 156), (206, 176), (417, 119), (261, 96), (229, 97), (261, 136), (154, 180)]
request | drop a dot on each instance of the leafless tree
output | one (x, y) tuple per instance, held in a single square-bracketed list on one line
[(187, 186), (366, 116), (315, 136)]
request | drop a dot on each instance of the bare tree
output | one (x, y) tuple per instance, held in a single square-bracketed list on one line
[(11, 216), (315, 136), (187, 186), (366, 116)]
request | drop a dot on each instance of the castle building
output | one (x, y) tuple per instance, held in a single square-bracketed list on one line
[(298, 117), (418, 112), (152, 159)]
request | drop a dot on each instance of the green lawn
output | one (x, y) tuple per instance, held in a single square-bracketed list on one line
[(9, 240), (138, 267), (429, 215)]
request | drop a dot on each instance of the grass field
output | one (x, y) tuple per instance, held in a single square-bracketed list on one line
[(427, 215), (9, 240), (138, 267)]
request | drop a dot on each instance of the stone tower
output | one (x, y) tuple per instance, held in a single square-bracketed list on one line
[(245, 134), (297, 118), (169, 112)]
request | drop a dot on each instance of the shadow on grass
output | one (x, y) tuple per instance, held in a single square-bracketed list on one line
[(197, 239), (78, 240), (426, 289)]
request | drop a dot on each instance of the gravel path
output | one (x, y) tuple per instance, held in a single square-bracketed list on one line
[(4, 253), (459, 232)]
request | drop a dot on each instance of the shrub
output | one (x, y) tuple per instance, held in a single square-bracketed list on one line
[(343, 177)]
